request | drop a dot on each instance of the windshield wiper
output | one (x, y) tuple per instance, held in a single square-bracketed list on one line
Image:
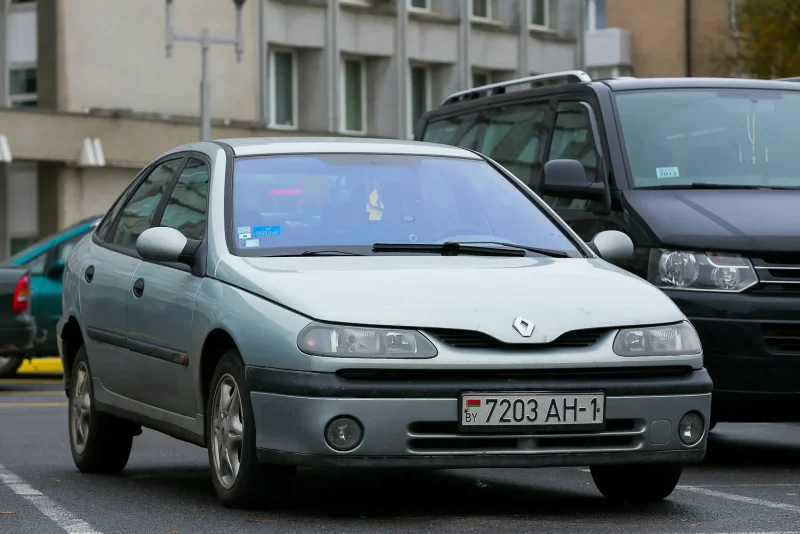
[(703, 185), (452, 248), (318, 253), (536, 250)]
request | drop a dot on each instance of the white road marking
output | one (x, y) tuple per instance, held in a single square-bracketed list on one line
[(741, 498), (750, 532), (54, 511)]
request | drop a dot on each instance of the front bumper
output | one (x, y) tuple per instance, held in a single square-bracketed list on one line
[(751, 348), (414, 424)]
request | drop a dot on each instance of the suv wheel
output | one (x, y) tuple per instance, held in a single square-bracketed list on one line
[(636, 483), (239, 480), (100, 443)]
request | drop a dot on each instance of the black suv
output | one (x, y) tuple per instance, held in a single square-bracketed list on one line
[(702, 173)]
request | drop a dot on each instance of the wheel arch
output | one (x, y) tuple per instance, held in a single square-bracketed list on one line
[(217, 342), (72, 340)]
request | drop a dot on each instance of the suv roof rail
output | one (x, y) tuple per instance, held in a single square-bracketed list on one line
[(794, 79), (569, 76)]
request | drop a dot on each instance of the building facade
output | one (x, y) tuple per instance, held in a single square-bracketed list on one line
[(88, 94)]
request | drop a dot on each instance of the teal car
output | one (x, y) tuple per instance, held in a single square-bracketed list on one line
[(45, 261)]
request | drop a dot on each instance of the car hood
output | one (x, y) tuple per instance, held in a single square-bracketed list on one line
[(456, 292), (743, 220)]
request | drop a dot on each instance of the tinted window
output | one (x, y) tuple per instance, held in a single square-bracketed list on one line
[(186, 207), (355, 199), (137, 216), (513, 138), (462, 131), (720, 136)]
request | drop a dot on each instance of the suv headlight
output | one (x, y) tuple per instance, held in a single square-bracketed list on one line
[(668, 340), (363, 342), (709, 271)]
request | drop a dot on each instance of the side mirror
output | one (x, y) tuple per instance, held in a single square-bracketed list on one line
[(613, 246), (56, 269), (162, 244), (567, 178)]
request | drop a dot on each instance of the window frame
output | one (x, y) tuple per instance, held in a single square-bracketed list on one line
[(199, 269), (482, 72), (362, 62), (174, 182), (410, 98), (481, 18), (273, 103), (547, 19), (22, 98), (426, 9)]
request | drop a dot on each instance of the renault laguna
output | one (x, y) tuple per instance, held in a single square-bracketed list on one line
[(370, 303)]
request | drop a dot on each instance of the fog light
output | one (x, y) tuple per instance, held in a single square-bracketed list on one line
[(343, 434), (691, 427)]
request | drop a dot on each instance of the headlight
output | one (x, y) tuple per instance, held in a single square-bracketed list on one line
[(674, 269), (362, 342), (668, 340)]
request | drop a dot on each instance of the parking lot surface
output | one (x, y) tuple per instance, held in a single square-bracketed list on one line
[(750, 483)]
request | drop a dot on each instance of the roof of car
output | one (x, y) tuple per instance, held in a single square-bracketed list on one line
[(624, 84), (254, 146)]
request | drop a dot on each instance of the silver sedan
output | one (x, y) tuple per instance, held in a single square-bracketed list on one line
[(374, 303)]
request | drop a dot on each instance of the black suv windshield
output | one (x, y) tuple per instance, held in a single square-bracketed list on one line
[(299, 202), (729, 137)]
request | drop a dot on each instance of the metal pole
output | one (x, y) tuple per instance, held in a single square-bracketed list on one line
[(205, 89)]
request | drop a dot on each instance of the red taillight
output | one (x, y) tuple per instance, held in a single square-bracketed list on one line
[(22, 296)]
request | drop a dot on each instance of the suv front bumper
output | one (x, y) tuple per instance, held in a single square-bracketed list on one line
[(415, 424)]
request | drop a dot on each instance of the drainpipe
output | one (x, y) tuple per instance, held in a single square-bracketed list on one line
[(402, 70), (523, 66), (332, 63), (688, 36), (263, 86)]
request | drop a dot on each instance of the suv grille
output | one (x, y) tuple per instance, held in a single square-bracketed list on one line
[(469, 339), (778, 273)]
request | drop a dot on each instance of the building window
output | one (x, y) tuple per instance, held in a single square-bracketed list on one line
[(22, 86), (283, 74), (354, 96), (540, 13), (480, 79), (596, 15), (419, 5), (482, 9), (420, 94)]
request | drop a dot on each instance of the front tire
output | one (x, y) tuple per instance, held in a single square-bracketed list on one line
[(100, 443), (239, 479), (637, 483), (9, 366)]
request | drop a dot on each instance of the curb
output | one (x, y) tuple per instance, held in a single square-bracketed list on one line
[(41, 365)]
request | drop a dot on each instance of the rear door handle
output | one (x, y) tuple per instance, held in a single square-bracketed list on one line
[(89, 274), (138, 288)]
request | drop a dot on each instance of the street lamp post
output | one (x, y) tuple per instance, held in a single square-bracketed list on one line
[(206, 40)]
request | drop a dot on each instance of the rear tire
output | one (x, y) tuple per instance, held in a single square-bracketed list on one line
[(100, 443), (637, 483), (9, 366), (239, 479)]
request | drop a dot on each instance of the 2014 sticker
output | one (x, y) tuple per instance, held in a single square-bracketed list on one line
[(667, 172), (266, 231)]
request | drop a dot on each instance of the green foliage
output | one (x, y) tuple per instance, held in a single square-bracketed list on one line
[(768, 40)]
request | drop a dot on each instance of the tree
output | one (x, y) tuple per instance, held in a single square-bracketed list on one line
[(767, 43)]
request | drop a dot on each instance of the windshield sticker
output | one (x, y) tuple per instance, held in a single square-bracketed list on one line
[(245, 236), (266, 231), (250, 243), (374, 206), (244, 230), (667, 172)]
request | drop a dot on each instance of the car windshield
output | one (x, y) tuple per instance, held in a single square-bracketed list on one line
[(330, 200), (717, 137)]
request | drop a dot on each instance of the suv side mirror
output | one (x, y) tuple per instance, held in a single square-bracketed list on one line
[(567, 178), (56, 269), (613, 246)]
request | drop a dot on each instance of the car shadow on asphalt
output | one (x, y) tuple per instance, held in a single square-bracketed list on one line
[(744, 446)]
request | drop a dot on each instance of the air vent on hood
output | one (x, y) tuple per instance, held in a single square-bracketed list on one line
[(469, 339)]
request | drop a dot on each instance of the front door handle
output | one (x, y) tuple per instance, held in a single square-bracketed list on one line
[(138, 288), (89, 274)]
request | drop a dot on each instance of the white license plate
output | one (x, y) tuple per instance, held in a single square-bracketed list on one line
[(509, 411)]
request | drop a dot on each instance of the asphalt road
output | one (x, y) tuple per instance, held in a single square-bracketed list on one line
[(750, 483)]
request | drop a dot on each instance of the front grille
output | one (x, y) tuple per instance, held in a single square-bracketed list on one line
[(442, 437), (470, 339), (778, 274), (781, 339), (460, 375)]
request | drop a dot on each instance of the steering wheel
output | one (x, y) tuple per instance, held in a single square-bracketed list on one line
[(466, 230)]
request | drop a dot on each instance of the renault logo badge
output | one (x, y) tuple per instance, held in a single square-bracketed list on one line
[(524, 327)]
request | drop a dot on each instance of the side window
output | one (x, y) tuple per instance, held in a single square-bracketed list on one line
[(36, 264), (573, 139), (186, 207), (462, 131), (137, 215), (105, 225), (513, 138)]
